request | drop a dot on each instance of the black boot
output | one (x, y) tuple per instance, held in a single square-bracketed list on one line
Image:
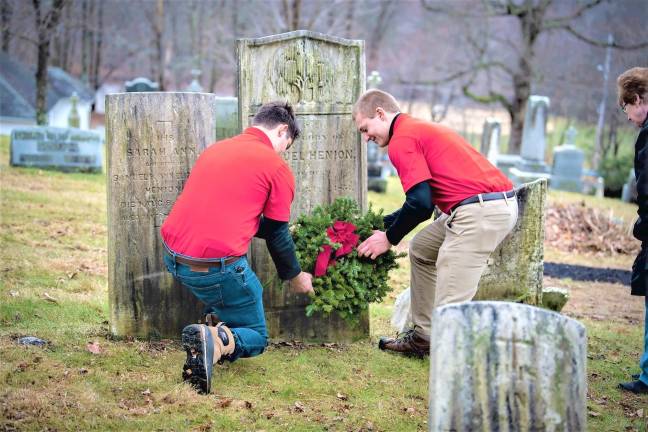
[(636, 387)]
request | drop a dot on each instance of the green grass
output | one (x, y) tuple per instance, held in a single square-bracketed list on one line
[(53, 245)]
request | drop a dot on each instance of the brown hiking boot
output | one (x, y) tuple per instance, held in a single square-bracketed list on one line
[(408, 343)]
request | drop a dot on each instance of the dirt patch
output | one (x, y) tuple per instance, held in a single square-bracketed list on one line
[(600, 301)]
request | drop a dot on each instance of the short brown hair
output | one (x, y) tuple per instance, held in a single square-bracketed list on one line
[(633, 83), (275, 113), (372, 99)]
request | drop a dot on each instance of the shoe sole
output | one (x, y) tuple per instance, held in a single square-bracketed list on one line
[(195, 368)]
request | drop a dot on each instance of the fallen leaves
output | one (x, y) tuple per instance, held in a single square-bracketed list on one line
[(581, 229), (94, 348), (49, 298)]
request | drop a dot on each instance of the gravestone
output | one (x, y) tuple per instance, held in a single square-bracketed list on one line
[(153, 141), (322, 77), (141, 84), (567, 169), (227, 118), (374, 80), (629, 192), (532, 165), (490, 140), (498, 366), (514, 271), (534, 132), (74, 120), (194, 85), (57, 148)]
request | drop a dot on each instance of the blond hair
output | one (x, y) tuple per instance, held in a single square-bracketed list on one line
[(372, 99), (633, 83)]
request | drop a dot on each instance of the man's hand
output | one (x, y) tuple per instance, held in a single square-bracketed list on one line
[(302, 283), (374, 246)]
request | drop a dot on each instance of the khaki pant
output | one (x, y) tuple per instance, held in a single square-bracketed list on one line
[(449, 256)]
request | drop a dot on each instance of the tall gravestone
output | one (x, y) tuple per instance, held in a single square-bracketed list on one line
[(490, 140), (227, 118), (498, 366), (153, 141), (322, 77), (532, 166), (567, 169), (141, 84)]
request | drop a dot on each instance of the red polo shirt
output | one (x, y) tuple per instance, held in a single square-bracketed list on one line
[(423, 151), (232, 184)]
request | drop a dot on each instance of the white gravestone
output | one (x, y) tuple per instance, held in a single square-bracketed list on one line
[(534, 133), (497, 366), (63, 149), (567, 170), (227, 120), (490, 140)]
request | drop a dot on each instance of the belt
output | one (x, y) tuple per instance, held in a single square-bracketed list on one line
[(205, 263), (491, 196)]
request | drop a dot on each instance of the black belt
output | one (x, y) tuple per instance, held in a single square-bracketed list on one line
[(484, 197)]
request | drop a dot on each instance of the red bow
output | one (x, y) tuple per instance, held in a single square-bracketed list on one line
[(343, 233)]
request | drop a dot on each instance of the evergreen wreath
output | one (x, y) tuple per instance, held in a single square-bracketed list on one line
[(351, 283)]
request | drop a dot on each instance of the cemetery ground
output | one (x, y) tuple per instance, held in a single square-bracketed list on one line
[(53, 285)]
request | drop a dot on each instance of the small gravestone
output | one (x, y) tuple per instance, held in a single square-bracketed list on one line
[(74, 120), (515, 269), (629, 193), (490, 140), (57, 148), (153, 140), (498, 366), (227, 119), (567, 170), (322, 77), (194, 85), (374, 80), (141, 84)]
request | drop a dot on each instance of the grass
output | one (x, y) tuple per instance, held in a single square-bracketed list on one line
[(53, 285)]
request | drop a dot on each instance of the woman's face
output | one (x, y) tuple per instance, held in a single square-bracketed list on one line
[(637, 111)]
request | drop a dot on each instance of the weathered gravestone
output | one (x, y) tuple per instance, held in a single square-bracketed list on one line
[(153, 141), (227, 118), (515, 268), (567, 169), (490, 140), (322, 76), (141, 84), (532, 165), (57, 148), (498, 366), (74, 120), (629, 191)]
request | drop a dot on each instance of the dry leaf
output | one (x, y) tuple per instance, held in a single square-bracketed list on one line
[(93, 347), (342, 396), (49, 298), (242, 404), (223, 403), (299, 407), (13, 293), (593, 413), (146, 392)]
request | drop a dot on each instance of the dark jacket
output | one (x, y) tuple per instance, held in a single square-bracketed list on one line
[(639, 282)]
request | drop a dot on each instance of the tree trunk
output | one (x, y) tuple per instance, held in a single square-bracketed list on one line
[(98, 45), (45, 25), (5, 18), (159, 46), (85, 45)]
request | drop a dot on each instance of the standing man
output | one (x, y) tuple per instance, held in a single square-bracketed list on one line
[(633, 100), (438, 167), (239, 188)]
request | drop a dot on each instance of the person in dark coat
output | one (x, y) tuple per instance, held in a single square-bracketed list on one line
[(633, 100)]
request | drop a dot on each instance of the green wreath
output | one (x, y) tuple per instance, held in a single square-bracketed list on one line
[(351, 283)]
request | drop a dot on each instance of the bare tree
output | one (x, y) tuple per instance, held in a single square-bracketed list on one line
[(5, 18), (46, 22), (533, 18)]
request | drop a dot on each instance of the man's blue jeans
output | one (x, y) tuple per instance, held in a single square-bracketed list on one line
[(232, 292), (643, 363)]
